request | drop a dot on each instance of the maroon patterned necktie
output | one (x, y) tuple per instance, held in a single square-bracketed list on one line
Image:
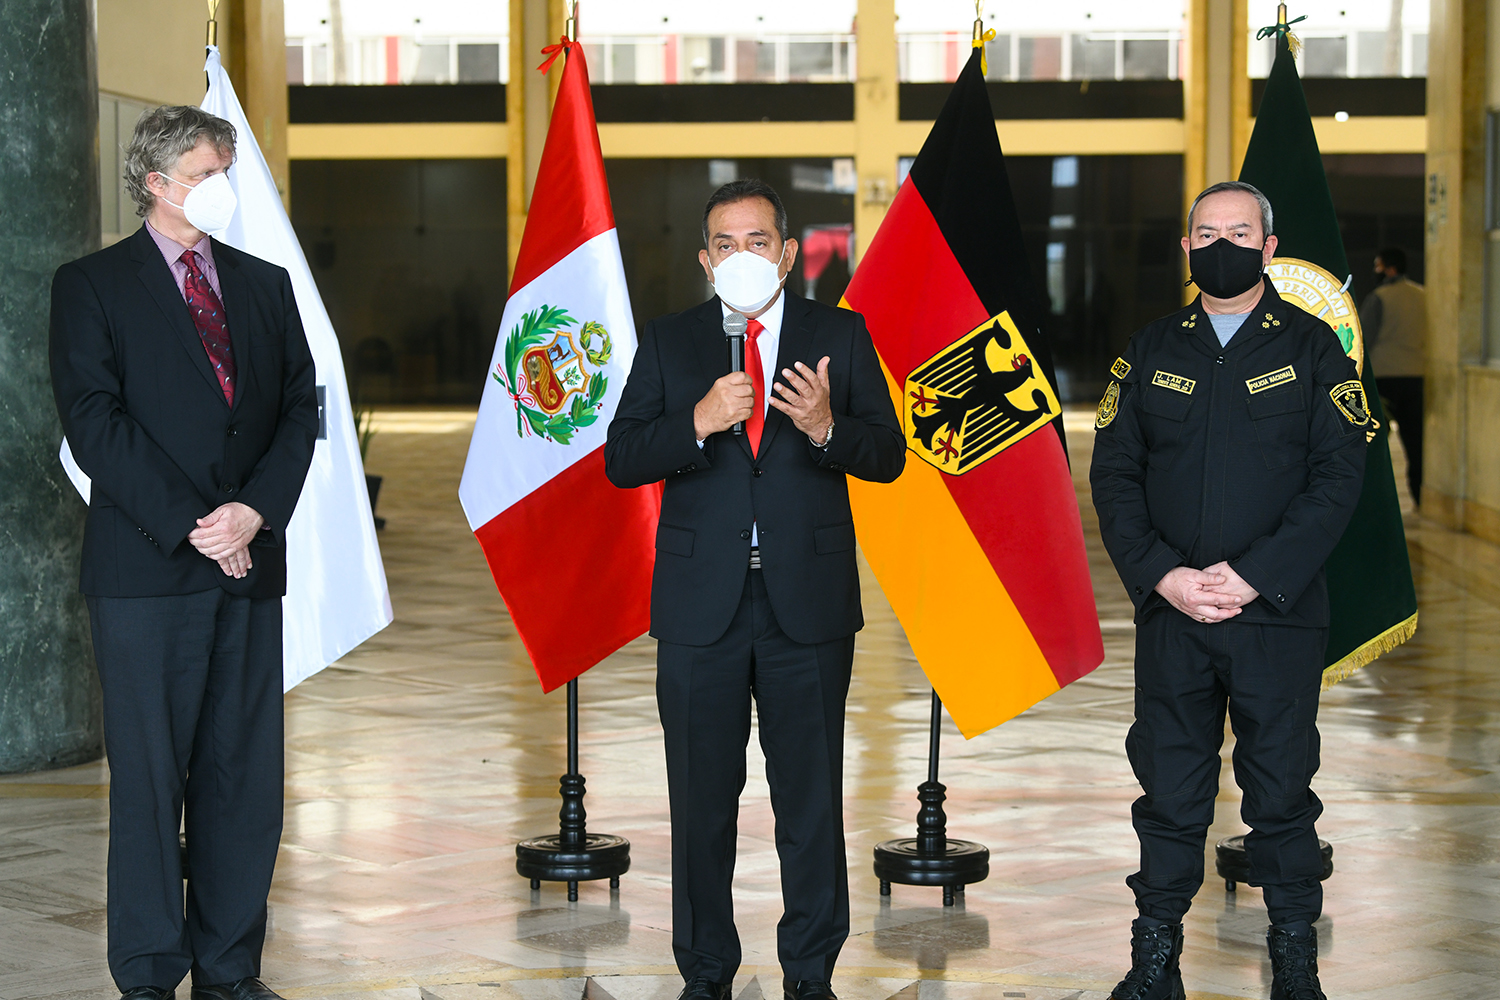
[(208, 316)]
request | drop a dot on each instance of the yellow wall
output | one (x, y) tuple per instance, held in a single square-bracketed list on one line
[(152, 50), (1461, 484)]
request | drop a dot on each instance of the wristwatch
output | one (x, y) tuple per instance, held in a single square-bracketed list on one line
[(826, 438)]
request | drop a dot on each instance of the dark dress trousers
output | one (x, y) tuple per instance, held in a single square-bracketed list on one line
[(189, 659), (782, 635), (1254, 453)]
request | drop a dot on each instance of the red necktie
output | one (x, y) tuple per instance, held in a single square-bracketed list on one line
[(757, 421), (208, 316)]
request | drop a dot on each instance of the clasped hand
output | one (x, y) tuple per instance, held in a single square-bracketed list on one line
[(1213, 594), (224, 536)]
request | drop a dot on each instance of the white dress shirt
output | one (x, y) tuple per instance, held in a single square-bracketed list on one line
[(768, 343)]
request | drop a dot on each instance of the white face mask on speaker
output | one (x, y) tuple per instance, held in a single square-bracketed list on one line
[(209, 204), (746, 281)]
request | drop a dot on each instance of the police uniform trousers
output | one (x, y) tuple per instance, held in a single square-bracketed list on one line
[(192, 728), (1269, 677), (704, 695)]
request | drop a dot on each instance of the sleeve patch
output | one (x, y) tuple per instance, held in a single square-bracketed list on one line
[(1120, 368), (1109, 405), (1349, 398)]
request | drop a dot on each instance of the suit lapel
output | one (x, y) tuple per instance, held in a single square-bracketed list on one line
[(237, 312), (796, 339), (157, 278), (713, 352)]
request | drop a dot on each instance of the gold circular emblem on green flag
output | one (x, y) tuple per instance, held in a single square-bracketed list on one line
[(1307, 285)]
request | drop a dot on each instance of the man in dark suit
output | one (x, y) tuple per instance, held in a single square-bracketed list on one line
[(756, 591), (185, 387)]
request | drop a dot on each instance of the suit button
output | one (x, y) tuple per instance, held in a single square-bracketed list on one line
[(228, 487), (693, 467), (756, 472), (1280, 599), (745, 534), (231, 432), (1138, 590), (1219, 360)]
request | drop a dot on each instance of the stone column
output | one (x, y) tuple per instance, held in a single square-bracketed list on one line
[(49, 201)]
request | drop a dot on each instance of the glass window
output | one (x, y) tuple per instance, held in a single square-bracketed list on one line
[(1371, 38), (1093, 58), (997, 56), (1040, 59), (1325, 56), (432, 63), (478, 63), (1147, 59), (809, 60), (294, 64)]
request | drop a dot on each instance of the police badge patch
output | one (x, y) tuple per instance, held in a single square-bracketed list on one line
[(1108, 406), (1120, 368), (1349, 398)]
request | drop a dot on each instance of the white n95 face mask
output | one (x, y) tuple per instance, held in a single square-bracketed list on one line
[(209, 204), (746, 281)]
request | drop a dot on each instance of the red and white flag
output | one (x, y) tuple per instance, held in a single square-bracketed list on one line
[(571, 554)]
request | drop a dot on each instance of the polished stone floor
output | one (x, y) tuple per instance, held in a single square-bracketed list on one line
[(417, 762)]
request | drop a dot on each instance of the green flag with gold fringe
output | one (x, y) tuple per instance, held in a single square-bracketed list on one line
[(1373, 604)]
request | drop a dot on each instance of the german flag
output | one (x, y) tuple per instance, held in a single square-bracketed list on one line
[(978, 546)]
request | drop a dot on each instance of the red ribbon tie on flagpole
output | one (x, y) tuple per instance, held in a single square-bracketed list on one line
[(553, 51)]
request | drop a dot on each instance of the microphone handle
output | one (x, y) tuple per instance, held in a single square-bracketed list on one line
[(736, 364)]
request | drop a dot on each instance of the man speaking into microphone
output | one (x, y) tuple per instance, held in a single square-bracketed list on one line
[(756, 591)]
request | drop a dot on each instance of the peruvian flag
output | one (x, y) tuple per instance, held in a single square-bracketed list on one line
[(571, 554)]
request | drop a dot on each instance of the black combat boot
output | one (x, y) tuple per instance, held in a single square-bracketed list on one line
[(1154, 951), (1294, 962)]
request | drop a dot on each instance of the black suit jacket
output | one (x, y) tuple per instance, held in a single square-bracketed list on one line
[(793, 492), (147, 421)]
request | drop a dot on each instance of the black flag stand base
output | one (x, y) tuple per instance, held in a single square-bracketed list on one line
[(573, 855), (932, 857)]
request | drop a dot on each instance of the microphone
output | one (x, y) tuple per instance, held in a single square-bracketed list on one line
[(734, 335)]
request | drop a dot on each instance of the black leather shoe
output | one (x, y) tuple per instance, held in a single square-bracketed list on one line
[(1294, 962), (807, 989), (148, 993), (1154, 975), (248, 988), (700, 988)]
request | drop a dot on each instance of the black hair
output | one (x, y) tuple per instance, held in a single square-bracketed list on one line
[(1393, 257), (746, 187)]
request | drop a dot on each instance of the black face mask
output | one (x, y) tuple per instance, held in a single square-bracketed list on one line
[(1224, 269)]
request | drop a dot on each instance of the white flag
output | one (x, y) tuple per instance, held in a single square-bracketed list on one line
[(336, 590)]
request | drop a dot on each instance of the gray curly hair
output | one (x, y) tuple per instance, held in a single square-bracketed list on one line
[(161, 137)]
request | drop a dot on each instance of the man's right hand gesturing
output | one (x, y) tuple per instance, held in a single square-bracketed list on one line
[(729, 402)]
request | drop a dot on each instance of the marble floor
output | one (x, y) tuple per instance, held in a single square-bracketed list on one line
[(417, 762)]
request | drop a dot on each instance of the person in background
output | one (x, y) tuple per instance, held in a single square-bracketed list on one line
[(1394, 318)]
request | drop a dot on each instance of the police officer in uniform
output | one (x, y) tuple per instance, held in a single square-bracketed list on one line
[(1228, 459)]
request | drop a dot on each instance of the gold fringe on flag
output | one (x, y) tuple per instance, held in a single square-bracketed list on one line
[(1370, 651)]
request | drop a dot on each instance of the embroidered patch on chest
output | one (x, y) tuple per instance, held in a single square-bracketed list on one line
[(1120, 368), (1270, 380), (1174, 382)]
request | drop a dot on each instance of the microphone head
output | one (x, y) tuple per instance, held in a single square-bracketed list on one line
[(735, 325)]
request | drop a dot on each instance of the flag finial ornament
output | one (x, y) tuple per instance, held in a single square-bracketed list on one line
[(981, 36), (213, 22), (1283, 27)]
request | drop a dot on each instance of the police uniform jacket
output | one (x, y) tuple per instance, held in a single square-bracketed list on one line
[(1252, 453)]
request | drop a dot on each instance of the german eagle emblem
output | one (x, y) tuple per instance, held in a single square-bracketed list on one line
[(975, 398)]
